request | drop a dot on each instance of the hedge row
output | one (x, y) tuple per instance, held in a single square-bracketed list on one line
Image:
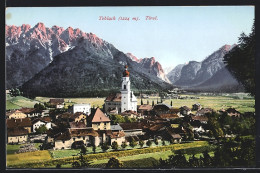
[(185, 147)]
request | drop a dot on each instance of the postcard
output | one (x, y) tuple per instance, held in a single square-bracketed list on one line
[(130, 87)]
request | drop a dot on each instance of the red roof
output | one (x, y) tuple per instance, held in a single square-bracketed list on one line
[(115, 97), (145, 107), (98, 116)]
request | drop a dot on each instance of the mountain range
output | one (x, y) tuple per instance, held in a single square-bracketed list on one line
[(60, 62), (63, 62), (210, 74)]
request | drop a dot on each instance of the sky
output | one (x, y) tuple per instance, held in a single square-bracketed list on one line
[(180, 34)]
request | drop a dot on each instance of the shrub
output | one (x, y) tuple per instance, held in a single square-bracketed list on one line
[(114, 163)]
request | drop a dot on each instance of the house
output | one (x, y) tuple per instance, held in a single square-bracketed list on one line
[(17, 114), (201, 119), (131, 114), (204, 111), (233, 112), (113, 103), (71, 137), (41, 122), (77, 125), (64, 116), (85, 108), (98, 120), (168, 116), (119, 137), (196, 107), (184, 110), (57, 102), (162, 108), (170, 134), (31, 112), (17, 135), (21, 123), (144, 109), (132, 129), (78, 116)]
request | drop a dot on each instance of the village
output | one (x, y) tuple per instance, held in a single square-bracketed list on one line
[(119, 122)]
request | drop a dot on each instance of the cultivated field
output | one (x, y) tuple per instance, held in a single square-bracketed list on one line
[(45, 158), (19, 102), (241, 103)]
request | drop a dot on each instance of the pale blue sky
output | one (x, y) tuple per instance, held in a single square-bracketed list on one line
[(179, 35)]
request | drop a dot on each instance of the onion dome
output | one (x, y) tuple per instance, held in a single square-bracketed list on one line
[(126, 72)]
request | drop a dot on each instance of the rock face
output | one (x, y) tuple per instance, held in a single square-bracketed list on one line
[(93, 67), (150, 65), (196, 73), (221, 81), (30, 50), (175, 73)]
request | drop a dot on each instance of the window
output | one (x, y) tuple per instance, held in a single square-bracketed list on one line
[(84, 138), (124, 86), (73, 139)]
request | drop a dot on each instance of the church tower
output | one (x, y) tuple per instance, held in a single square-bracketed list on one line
[(128, 100)]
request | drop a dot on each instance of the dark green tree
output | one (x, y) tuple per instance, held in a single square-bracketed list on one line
[(123, 145), (114, 145), (149, 143), (132, 142), (156, 141), (83, 150), (147, 102), (104, 146), (42, 129), (241, 61), (142, 102), (171, 102), (141, 143), (163, 142), (153, 103), (114, 163), (94, 148)]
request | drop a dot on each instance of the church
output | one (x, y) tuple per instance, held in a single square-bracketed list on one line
[(124, 101)]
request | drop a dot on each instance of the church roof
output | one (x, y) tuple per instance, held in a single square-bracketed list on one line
[(98, 116), (115, 97)]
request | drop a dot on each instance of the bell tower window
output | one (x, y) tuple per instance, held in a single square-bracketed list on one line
[(124, 87)]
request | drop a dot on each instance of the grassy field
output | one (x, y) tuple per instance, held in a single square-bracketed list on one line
[(241, 102), (215, 102), (18, 102), (42, 156), (35, 156)]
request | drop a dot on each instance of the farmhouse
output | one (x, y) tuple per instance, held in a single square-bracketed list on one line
[(196, 107), (132, 129), (144, 109), (17, 135), (204, 111), (30, 112), (233, 112), (184, 110), (17, 114), (78, 116), (21, 123), (67, 139), (40, 122), (162, 108), (57, 102)]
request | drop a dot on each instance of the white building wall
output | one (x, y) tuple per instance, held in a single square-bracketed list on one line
[(85, 108)]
